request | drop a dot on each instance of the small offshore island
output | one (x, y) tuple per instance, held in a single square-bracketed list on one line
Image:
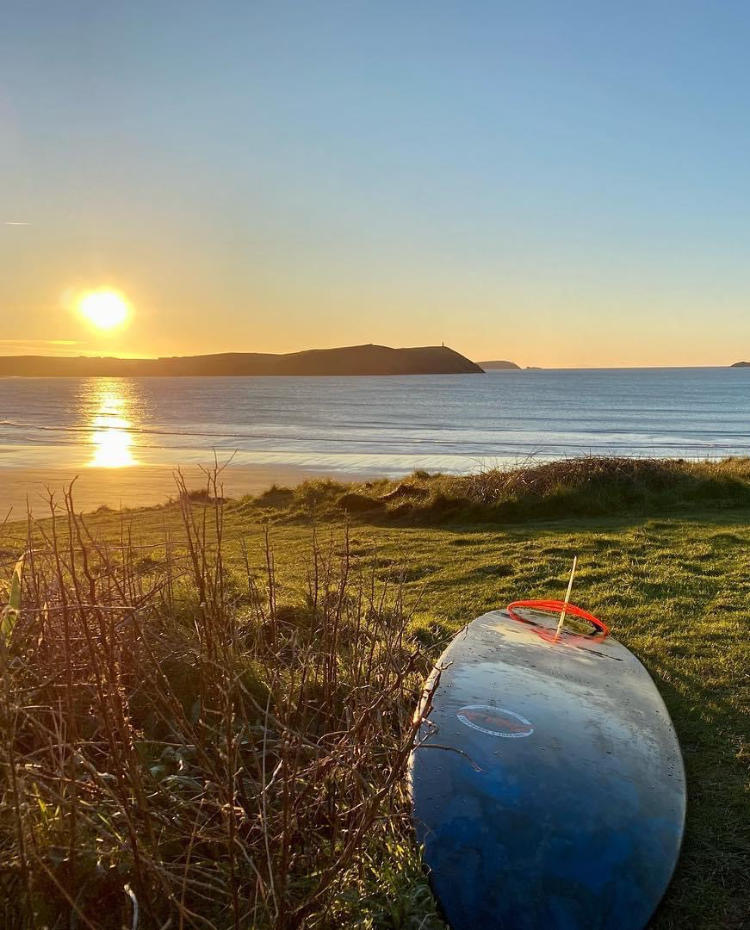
[(500, 365), (349, 360)]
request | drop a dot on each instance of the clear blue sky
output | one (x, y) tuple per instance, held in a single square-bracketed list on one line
[(561, 183)]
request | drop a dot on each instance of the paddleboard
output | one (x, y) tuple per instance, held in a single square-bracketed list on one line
[(547, 782)]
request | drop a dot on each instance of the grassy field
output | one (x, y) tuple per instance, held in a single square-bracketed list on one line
[(206, 707)]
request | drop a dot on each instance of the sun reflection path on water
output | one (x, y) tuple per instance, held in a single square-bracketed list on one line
[(112, 438)]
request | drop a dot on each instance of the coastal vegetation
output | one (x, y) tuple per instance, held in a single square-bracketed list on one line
[(585, 486), (206, 707)]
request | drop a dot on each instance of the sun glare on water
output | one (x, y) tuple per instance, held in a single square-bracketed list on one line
[(112, 438), (104, 309)]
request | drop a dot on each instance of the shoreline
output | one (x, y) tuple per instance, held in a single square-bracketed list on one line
[(140, 486), (27, 487)]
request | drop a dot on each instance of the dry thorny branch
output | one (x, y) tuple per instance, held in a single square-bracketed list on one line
[(182, 746)]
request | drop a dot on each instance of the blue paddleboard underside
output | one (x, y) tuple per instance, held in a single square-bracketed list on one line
[(547, 786)]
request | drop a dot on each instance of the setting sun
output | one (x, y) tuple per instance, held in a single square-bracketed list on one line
[(104, 309)]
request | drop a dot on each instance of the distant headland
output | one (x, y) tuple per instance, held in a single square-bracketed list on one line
[(349, 360), (740, 365), (499, 365)]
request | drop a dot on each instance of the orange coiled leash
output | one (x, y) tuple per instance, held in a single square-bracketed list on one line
[(563, 608), (557, 607)]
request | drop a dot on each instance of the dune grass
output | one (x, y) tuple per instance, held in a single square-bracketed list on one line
[(587, 486), (205, 708)]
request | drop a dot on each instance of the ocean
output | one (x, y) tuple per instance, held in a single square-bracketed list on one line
[(375, 425)]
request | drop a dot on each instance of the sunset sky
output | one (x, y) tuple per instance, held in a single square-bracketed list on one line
[(560, 184)]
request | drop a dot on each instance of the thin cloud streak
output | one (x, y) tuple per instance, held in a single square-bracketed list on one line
[(37, 346)]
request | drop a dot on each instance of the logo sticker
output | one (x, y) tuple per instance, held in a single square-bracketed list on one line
[(495, 721)]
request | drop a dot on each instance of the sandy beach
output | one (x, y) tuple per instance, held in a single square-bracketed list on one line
[(140, 486)]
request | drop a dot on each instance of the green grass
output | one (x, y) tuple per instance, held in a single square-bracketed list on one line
[(668, 572)]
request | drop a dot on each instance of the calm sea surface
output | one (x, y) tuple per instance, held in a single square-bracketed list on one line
[(387, 425)]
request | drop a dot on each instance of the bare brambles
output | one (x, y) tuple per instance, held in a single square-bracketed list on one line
[(182, 746)]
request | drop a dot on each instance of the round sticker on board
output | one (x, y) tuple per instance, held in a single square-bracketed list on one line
[(495, 721)]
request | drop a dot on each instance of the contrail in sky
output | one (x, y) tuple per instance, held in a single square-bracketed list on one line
[(12, 223)]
